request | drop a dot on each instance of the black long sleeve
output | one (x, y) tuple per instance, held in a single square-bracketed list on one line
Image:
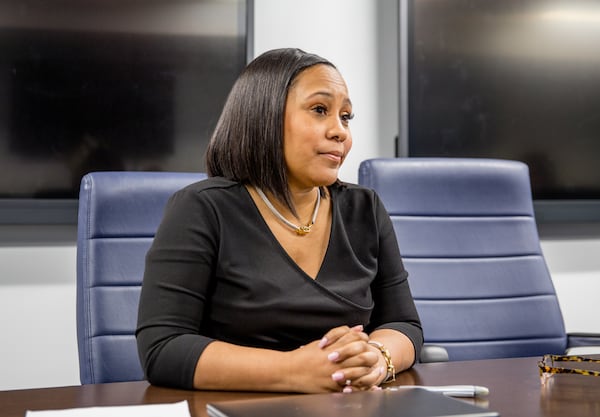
[(216, 272)]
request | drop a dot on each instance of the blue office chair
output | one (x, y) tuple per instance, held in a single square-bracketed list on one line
[(468, 237), (119, 213)]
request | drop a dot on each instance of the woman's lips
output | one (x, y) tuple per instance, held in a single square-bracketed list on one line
[(335, 156)]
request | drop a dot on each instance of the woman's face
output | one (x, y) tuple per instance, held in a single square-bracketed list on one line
[(316, 133)]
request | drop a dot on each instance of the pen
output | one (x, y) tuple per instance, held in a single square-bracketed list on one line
[(450, 390)]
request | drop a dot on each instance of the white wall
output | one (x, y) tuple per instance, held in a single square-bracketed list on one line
[(572, 254), (37, 264), (37, 307)]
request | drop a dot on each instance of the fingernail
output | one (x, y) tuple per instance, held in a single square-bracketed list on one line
[(358, 328), (323, 342), (333, 356), (347, 389), (382, 370), (337, 376)]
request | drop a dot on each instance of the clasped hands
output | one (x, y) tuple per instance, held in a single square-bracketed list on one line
[(340, 361)]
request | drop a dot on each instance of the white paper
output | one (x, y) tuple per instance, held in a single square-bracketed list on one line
[(179, 409)]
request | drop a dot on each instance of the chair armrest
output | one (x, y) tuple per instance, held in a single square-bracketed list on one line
[(583, 350), (432, 353), (583, 344)]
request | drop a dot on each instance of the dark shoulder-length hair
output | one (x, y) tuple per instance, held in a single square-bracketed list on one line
[(247, 144)]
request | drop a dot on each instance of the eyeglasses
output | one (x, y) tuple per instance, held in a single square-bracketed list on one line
[(546, 369)]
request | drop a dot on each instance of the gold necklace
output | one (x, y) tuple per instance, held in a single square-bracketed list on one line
[(300, 230)]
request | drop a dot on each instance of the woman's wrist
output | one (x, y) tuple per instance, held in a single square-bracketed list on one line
[(390, 369)]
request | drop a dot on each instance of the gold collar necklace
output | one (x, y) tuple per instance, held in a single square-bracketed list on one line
[(300, 230)]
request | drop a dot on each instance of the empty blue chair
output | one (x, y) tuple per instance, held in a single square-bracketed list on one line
[(119, 213), (468, 237)]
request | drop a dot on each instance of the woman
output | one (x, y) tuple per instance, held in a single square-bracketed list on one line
[(272, 275)]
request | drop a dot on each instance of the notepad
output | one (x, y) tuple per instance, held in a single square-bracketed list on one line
[(179, 409), (415, 402)]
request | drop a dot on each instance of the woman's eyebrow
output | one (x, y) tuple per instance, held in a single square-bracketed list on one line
[(329, 95)]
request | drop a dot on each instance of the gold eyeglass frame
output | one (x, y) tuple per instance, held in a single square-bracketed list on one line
[(550, 370)]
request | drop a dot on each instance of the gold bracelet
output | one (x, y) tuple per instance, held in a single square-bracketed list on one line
[(391, 370)]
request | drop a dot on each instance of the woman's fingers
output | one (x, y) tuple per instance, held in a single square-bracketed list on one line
[(358, 378), (336, 334), (355, 353)]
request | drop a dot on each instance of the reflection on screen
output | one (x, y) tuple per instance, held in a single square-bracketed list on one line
[(510, 79), (96, 85)]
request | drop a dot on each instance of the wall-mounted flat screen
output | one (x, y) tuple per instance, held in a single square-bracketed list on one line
[(111, 85), (513, 79)]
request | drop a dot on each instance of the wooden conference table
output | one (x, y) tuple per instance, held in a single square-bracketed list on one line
[(515, 390)]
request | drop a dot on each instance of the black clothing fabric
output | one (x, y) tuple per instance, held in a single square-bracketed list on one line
[(216, 272)]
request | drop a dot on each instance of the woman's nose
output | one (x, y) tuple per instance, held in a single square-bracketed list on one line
[(336, 130)]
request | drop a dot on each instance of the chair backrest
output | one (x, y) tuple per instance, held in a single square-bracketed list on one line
[(468, 237), (119, 213)]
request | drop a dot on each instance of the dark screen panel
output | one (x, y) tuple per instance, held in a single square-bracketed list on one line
[(111, 85), (509, 79)]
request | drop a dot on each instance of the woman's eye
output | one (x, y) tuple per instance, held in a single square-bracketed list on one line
[(347, 117), (320, 109)]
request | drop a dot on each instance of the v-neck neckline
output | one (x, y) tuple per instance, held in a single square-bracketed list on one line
[(281, 247)]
